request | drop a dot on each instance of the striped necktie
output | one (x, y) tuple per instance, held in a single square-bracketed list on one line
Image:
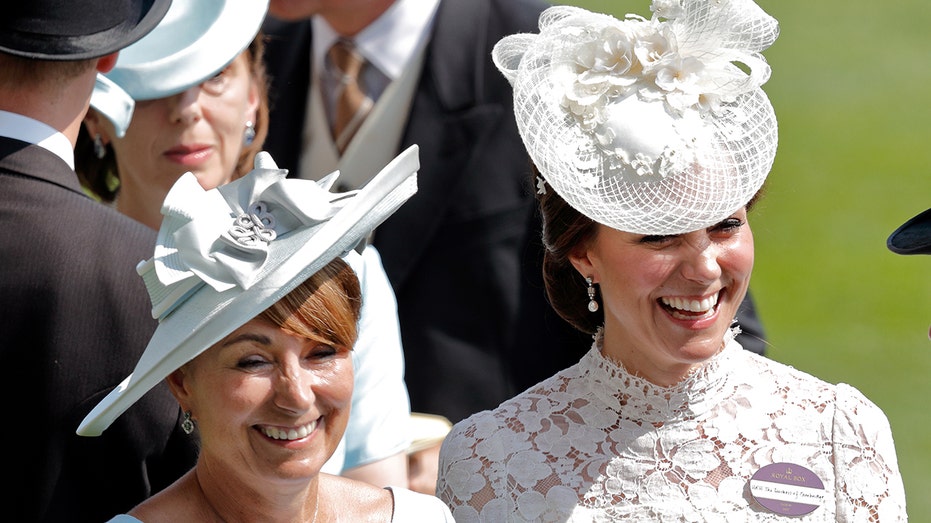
[(352, 103)]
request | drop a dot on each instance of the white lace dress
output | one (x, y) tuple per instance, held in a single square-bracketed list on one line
[(594, 443)]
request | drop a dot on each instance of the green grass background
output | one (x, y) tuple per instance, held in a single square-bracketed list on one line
[(851, 87)]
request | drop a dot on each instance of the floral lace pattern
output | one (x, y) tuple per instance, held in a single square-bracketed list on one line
[(595, 443)]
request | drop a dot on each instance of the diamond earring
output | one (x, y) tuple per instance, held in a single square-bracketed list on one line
[(187, 424), (592, 304), (249, 134), (100, 150)]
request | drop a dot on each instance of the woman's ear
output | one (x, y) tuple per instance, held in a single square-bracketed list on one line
[(95, 126), (177, 382), (254, 99), (580, 258)]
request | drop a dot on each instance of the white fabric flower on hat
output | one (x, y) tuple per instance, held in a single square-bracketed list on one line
[(643, 56)]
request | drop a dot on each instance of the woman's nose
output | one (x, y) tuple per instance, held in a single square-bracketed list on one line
[(293, 390), (186, 108), (701, 261)]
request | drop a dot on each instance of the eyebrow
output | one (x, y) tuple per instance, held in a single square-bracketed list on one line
[(248, 336)]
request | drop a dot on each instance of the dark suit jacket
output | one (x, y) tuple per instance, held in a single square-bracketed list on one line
[(76, 317), (464, 253)]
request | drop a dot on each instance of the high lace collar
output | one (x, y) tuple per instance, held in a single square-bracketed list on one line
[(637, 399)]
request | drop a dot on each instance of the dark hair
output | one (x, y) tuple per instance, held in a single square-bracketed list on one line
[(325, 307), (101, 176), (565, 229)]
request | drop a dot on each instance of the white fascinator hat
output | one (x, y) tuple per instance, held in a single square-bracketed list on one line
[(193, 42), (650, 126), (225, 255)]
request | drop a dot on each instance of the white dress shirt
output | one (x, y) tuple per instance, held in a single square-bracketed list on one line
[(23, 128)]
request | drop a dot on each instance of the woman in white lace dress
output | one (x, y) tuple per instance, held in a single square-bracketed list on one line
[(651, 146)]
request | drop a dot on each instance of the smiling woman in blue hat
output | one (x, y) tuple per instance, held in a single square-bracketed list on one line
[(191, 97), (258, 312)]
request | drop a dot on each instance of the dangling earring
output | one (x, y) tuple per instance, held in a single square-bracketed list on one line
[(100, 150), (592, 304), (187, 424), (249, 134)]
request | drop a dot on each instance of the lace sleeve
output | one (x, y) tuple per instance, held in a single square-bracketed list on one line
[(869, 485), (465, 481)]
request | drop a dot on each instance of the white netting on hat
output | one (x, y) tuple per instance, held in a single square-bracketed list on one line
[(647, 126)]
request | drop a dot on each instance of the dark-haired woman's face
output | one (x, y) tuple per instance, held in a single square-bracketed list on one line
[(668, 300)]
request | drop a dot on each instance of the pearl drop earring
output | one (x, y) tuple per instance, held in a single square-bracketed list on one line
[(592, 304)]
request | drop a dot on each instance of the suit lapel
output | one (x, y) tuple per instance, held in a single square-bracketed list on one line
[(450, 116), (287, 55), (448, 120)]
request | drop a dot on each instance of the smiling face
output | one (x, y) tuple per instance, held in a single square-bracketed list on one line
[(199, 130), (268, 404), (271, 400), (668, 300)]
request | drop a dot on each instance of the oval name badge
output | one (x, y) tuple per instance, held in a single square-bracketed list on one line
[(787, 489)]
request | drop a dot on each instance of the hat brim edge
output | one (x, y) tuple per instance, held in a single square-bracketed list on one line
[(913, 236), (117, 42), (388, 190)]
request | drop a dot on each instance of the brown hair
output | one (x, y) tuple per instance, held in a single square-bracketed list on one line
[(19, 72), (101, 175), (256, 52), (565, 228), (325, 307)]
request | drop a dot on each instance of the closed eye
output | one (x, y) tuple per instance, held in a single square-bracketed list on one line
[(728, 225), (323, 351), (657, 239)]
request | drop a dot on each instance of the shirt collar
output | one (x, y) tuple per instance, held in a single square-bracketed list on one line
[(29, 130), (390, 41)]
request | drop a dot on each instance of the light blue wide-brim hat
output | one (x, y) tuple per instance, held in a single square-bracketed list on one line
[(225, 255), (193, 42)]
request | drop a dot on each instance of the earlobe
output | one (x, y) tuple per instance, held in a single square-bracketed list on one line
[(91, 122), (254, 97), (579, 259), (175, 382)]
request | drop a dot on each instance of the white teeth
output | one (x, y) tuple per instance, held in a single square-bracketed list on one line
[(684, 304), (289, 434)]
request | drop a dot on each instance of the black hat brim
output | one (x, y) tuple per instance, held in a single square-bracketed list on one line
[(913, 236), (65, 38)]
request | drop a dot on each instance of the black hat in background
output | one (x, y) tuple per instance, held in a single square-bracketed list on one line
[(913, 237), (75, 29)]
